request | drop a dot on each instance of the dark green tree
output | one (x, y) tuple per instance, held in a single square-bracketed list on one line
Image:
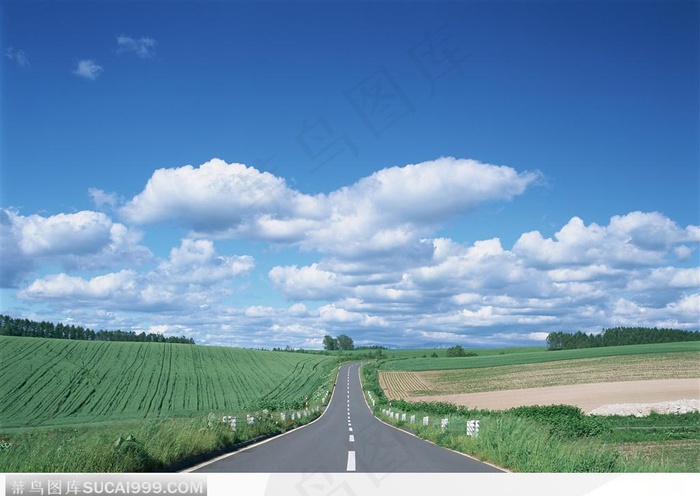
[(455, 351), (345, 342), (330, 343)]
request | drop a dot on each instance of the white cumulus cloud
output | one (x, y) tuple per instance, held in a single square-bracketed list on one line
[(88, 69), (190, 278), (83, 240), (388, 211), (637, 238)]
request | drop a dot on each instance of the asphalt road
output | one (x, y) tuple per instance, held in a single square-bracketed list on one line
[(347, 437)]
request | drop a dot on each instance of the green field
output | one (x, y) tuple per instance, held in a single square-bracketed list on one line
[(423, 353), (49, 382), (521, 356)]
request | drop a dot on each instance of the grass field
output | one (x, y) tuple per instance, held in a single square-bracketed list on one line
[(60, 382), (522, 356)]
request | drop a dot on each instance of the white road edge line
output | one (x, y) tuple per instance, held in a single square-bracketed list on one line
[(351, 461)]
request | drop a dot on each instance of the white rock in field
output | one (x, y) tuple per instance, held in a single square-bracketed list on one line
[(644, 409)]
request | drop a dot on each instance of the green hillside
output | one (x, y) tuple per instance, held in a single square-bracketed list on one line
[(56, 382)]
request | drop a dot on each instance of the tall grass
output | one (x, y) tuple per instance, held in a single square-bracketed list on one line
[(132, 446), (518, 444)]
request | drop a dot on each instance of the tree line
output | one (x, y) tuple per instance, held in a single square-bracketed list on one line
[(342, 343), (29, 328), (618, 336)]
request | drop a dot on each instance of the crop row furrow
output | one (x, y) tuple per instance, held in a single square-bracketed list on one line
[(63, 381)]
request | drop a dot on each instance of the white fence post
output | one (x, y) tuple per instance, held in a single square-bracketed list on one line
[(473, 428), (283, 416), (233, 423), (443, 424), (426, 420), (403, 417), (250, 419), (413, 419)]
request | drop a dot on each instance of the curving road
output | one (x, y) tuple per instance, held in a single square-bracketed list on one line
[(347, 437)]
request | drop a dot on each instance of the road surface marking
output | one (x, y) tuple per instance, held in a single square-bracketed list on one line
[(350, 429), (352, 438), (351, 461)]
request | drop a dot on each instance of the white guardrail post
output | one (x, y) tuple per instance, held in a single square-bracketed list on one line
[(231, 421)]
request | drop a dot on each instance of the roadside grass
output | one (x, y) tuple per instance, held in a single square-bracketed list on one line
[(530, 357), (660, 456), (131, 446), (553, 438), (679, 365), (657, 443), (518, 444)]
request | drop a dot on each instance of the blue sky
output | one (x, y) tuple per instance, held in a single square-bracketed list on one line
[(410, 175)]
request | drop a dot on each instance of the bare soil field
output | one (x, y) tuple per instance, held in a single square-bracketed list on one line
[(586, 396), (624, 384)]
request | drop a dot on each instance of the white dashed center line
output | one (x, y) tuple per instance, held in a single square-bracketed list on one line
[(351, 461), (351, 437)]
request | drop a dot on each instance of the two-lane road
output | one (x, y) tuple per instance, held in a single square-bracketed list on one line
[(347, 437)]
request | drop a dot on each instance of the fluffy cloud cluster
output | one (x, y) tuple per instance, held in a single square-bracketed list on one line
[(635, 239), (82, 240), (186, 280), (379, 214), (585, 277), (380, 272)]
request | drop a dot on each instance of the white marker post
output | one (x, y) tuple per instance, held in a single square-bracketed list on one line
[(443, 424)]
